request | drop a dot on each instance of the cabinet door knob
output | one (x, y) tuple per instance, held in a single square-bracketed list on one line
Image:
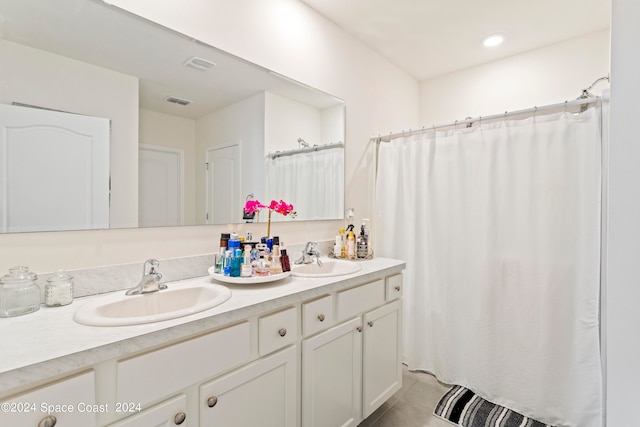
[(282, 332), (359, 329), (211, 402), (370, 324), (321, 317), (179, 418), (48, 421), (398, 288)]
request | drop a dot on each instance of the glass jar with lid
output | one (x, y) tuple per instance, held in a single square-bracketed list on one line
[(59, 289), (19, 292)]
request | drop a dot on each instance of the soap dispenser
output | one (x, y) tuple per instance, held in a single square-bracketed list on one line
[(362, 250)]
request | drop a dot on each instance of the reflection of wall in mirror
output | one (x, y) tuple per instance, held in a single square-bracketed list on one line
[(180, 133), (240, 123), (35, 77)]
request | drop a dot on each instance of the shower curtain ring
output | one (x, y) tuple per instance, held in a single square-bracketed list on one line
[(565, 106), (455, 125)]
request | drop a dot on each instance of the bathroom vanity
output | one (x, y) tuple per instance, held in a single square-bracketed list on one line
[(301, 351)]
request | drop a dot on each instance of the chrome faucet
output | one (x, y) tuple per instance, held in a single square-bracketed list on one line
[(150, 281), (309, 253)]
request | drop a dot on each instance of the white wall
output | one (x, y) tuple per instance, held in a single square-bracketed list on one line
[(333, 126), (241, 123), (177, 132), (287, 120), (43, 79), (291, 39), (540, 77), (623, 285)]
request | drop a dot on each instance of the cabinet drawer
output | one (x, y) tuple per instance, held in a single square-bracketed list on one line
[(317, 315), (69, 401), (168, 413), (394, 287), (360, 299), (277, 330), (156, 374)]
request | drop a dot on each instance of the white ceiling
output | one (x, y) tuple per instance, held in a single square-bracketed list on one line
[(427, 38)]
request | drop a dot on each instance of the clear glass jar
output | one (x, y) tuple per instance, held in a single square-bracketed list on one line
[(58, 290), (19, 292)]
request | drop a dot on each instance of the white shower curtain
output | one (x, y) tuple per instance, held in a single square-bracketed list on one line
[(309, 181), (500, 229)]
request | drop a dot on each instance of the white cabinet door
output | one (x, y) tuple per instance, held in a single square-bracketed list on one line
[(332, 376), (172, 412), (382, 364), (262, 393), (68, 402)]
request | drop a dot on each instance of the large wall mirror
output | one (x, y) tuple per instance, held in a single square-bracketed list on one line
[(182, 134)]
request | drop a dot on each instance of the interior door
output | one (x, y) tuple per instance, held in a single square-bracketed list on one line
[(54, 170), (223, 185), (161, 186)]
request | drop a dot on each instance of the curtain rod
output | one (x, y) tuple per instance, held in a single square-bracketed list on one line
[(583, 103), (305, 150)]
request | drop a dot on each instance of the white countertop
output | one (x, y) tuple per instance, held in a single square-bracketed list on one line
[(48, 342)]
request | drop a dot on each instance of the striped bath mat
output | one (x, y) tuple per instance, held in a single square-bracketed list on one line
[(464, 408)]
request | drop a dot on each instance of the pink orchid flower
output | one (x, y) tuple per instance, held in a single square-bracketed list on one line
[(280, 207)]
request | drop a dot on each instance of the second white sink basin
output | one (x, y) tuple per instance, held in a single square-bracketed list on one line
[(120, 309), (329, 268)]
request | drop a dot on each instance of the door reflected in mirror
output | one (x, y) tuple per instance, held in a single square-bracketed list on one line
[(193, 129)]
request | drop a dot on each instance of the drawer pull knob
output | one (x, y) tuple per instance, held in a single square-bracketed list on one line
[(282, 332), (179, 418), (359, 329), (321, 317), (370, 324), (211, 402), (398, 288), (48, 421)]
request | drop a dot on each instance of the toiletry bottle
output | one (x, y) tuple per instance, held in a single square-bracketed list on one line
[(284, 259), (276, 266), (246, 270), (226, 266), (337, 247), (343, 251), (362, 250), (351, 245), (234, 242), (224, 242)]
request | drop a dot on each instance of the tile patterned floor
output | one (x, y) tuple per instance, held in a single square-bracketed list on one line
[(412, 405)]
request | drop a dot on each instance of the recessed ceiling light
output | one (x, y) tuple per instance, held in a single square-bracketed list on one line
[(493, 40)]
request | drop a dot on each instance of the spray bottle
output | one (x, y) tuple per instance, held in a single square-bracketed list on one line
[(351, 243)]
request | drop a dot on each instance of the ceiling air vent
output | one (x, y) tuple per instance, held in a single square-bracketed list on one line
[(178, 101), (199, 63)]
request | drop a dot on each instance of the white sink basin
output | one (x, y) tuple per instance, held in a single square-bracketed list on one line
[(181, 300), (329, 268)]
